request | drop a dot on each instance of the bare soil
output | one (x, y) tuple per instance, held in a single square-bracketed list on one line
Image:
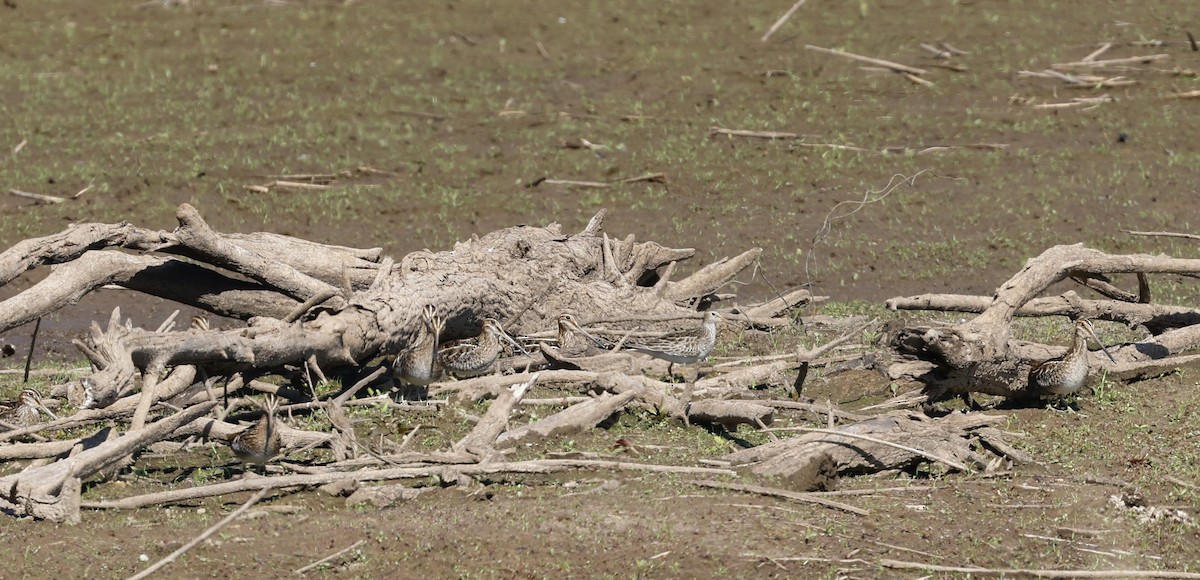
[(461, 111)]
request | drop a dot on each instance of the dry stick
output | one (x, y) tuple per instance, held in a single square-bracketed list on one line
[(149, 382), (917, 80), (875, 61), (316, 299), (935, 51), (873, 491), (342, 398), (203, 536), (329, 557), (408, 438), (783, 493), (946, 45), (32, 343), (1185, 95), (1102, 63), (168, 323), (925, 454), (1099, 51), (37, 196), (534, 466), (1163, 234), (835, 146), (758, 134), (786, 15), (902, 565)]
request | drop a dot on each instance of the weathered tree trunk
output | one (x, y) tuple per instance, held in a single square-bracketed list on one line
[(340, 306), (979, 354)]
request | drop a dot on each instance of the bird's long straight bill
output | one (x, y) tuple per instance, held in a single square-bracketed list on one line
[(1103, 348), (509, 339)]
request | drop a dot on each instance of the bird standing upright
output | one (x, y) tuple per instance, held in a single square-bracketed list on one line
[(415, 364), (1064, 375), (260, 442)]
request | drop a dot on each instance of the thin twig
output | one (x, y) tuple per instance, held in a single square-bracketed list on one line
[(869, 60), (782, 493), (38, 197), (868, 198), (1112, 61), (1163, 234), (1096, 53), (32, 342), (783, 19), (329, 557), (203, 535), (902, 565)]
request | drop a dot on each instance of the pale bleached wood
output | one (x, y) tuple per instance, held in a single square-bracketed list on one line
[(869, 60), (1112, 61), (783, 19), (1036, 573), (444, 471), (806, 497), (200, 538)]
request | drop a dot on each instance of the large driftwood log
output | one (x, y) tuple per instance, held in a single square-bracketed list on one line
[(873, 445), (525, 276), (312, 306), (979, 355)]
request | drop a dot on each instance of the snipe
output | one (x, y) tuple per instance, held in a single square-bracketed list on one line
[(474, 357), (1066, 374), (683, 347), (260, 442), (26, 410), (415, 364)]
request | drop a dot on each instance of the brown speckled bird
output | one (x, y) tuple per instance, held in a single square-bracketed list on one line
[(683, 347), (26, 410), (1066, 374), (415, 364), (474, 357), (260, 442)]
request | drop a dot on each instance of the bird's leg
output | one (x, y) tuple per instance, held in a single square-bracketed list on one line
[(686, 399)]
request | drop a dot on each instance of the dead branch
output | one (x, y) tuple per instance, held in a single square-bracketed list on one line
[(1157, 318), (200, 538), (445, 472), (1163, 234), (986, 337), (38, 197), (576, 418), (783, 19), (52, 491), (755, 134), (910, 438), (332, 556), (785, 494), (1036, 573), (1112, 61), (481, 441), (869, 60)]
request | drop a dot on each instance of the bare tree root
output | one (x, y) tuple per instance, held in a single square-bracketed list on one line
[(890, 441), (315, 311), (980, 356)]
